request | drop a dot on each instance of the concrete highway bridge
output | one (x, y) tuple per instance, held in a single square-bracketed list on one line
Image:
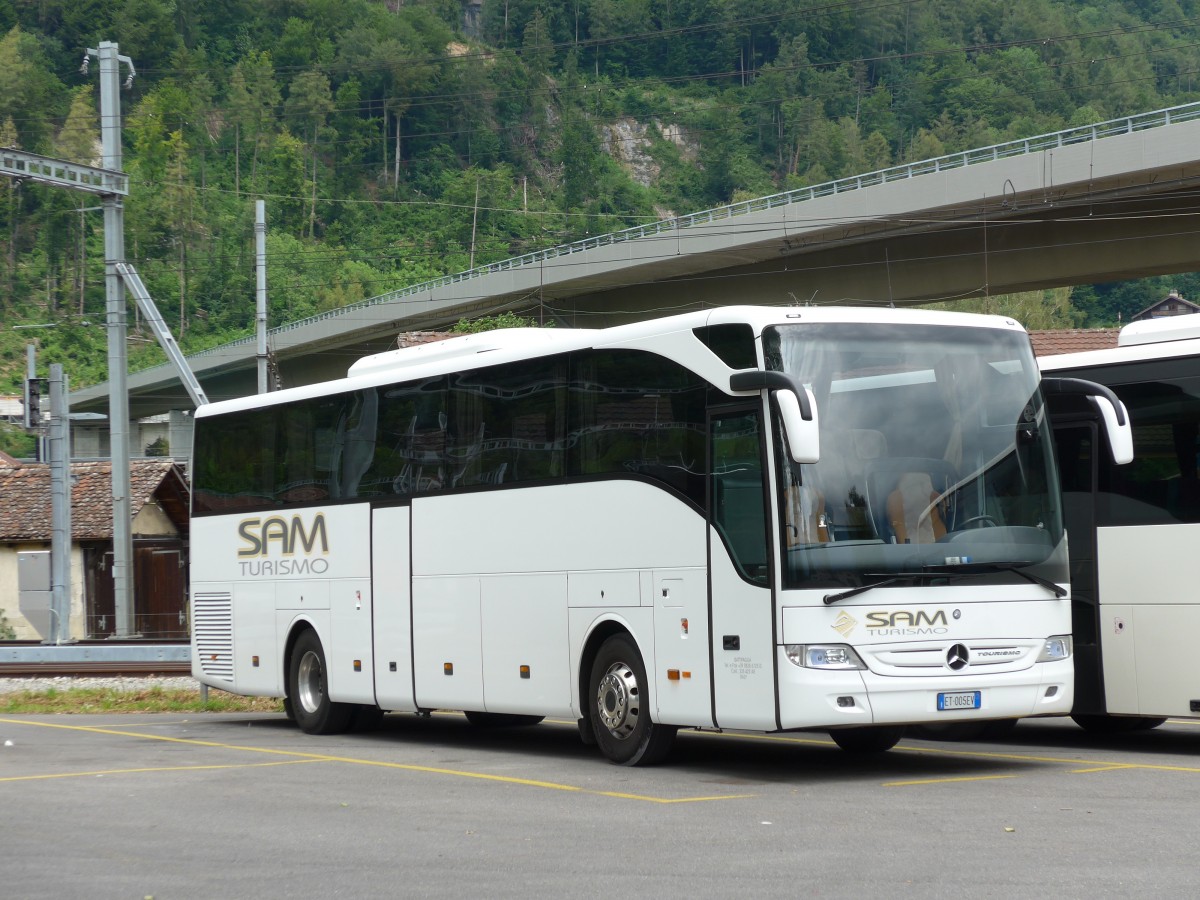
[(1105, 202)]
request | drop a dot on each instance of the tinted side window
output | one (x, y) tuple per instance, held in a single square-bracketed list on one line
[(634, 412), (277, 456), (232, 464), (738, 511), (411, 440), (733, 344), (513, 419), (1162, 484)]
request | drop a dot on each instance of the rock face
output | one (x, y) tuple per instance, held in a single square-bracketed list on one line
[(628, 141)]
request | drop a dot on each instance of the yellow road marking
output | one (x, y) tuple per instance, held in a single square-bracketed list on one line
[(1105, 768), (946, 780), (99, 772), (405, 767)]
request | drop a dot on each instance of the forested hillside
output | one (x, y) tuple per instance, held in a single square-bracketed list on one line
[(398, 140)]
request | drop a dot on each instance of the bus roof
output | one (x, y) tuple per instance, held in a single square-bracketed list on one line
[(514, 344)]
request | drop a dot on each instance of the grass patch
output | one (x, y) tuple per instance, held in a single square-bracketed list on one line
[(110, 700)]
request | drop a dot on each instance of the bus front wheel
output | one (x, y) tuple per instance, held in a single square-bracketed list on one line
[(315, 713), (868, 738), (620, 712)]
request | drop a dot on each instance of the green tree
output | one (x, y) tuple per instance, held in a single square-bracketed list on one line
[(309, 104), (507, 319), (28, 92), (78, 141), (253, 98)]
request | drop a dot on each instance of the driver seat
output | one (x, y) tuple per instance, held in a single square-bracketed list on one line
[(912, 510)]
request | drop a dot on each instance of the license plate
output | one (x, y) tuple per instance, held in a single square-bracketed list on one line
[(959, 700)]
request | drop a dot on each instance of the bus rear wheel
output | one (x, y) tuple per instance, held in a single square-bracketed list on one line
[(315, 713), (868, 738), (1102, 724), (620, 713)]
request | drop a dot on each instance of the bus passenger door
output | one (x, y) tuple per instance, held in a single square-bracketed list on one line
[(391, 577), (1076, 441), (742, 639)]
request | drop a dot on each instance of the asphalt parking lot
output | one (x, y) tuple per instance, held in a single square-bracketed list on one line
[(212, 806)]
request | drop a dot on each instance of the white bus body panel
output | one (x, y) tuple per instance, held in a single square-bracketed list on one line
[(392, 574), (491, 532), (494, 575), (281, 568), (254, 637), (743, 678), (1148, 638), (447, 663), (516, 611), (681, 646)]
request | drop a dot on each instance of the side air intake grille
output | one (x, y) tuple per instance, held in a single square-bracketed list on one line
[(212, 634)]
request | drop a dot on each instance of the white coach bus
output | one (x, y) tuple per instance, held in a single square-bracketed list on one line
[(1135, 529), (764, 519)]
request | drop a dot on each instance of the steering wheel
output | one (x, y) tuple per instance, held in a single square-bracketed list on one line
[(984, 520)]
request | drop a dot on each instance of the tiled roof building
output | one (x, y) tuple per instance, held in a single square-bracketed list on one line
[(25, 498), (1073, 340)]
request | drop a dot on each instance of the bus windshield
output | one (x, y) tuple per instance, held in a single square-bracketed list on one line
[(935, 456)]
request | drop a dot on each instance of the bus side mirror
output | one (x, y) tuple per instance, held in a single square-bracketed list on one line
[(1116, 428), (803, 435), (797, 409), (1112, 411)]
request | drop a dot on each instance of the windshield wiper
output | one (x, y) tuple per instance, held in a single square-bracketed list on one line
[(908, 577), (1018, 568)]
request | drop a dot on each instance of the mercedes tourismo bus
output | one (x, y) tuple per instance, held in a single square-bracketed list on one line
[(1135, 529), (765, 519)]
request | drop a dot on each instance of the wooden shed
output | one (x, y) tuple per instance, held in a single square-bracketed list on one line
[(159, 504)]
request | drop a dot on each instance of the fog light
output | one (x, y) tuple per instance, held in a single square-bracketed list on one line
[(1057, 647), (823, 656)]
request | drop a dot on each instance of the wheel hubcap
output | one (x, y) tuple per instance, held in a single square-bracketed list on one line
[(618, 700), (311, 683)]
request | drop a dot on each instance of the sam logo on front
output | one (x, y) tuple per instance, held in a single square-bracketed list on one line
[(907, 622)]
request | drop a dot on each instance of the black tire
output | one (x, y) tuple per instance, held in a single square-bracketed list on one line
[(868, 738), (288, 710), (501, 720), (315, 712), (618, 697), (1102, 724)]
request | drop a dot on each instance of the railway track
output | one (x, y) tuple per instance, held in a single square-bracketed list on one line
[(93, 669), (26, 659)]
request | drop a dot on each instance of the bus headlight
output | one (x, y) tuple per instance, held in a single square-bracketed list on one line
[(823, 656), (1057, 646)]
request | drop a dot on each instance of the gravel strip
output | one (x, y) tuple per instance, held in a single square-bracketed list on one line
[(67, 682)]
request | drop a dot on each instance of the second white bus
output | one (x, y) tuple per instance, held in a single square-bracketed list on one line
[(1135, 528)]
